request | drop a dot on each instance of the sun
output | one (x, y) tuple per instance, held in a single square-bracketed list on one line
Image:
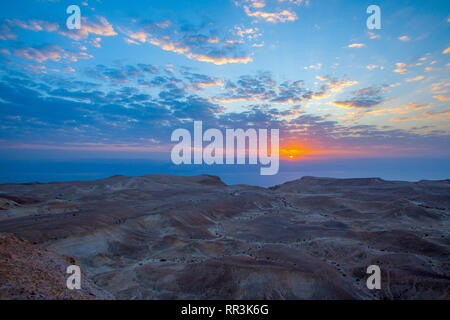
[(293, 152)]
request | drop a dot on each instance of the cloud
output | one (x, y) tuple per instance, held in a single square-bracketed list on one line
[(195, 43), (219, 60), (404, 38), (316, 66), (373, 35), (437, 113), (329, 87), (411, 107), (401, 67), (356, 45), (273, 17), (440, 87), (271, 11), (249, 33), (130, 41), (362, 99), (201, 81), (49, 52), (262, 87), (446, 51), (86, 116), (101, 27), (34, 25), (96, 42), (414, 106), (121, 74), (418, 78), (403, 119), (336, 85), (373, 67), (441, 97), (6, 33)]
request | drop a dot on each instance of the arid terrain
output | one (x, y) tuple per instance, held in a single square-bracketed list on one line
[(174, 237)]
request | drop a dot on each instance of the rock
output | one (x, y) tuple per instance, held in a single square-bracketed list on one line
[(30, 272)]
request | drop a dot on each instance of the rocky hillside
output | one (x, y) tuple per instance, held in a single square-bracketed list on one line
[(30, 272), (174, 237)]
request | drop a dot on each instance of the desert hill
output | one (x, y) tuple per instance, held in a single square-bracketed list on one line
[(175, 237)]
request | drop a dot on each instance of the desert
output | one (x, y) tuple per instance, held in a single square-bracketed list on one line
[(179, 237)]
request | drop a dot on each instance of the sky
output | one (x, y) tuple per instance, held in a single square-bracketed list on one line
[(104, 99)]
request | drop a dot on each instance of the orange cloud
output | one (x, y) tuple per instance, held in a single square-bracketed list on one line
[(273, 17), (442, 97), (337, 86), (373, 35), (401, 67), (438, 87), (437, 113), (141, 36), (418, 78), (220, 60), (415, 106)]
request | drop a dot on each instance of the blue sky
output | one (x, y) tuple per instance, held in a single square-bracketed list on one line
[(137, 70)]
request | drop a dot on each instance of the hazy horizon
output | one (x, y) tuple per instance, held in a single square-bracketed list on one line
[(55, 170), (118, 87)]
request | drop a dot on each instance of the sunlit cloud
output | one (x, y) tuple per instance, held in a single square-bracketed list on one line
[(401, 67), (362, 98), (100, 28), (194, 46), (403, 119), (316, 66), (418, 78), (48, 52), (34, 25), (440, 87), (438, 113), (374, 66), (259, 10), (441, 97), (356, 45), (273, 17), (373, 35)]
